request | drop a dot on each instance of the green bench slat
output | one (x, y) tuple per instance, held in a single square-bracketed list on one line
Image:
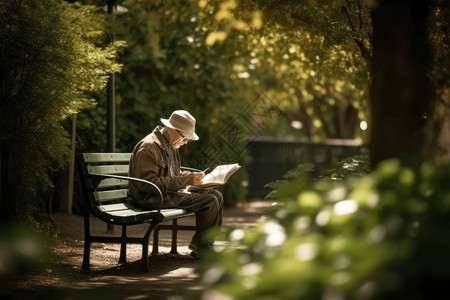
[(126, 213), (113, 169), (118, 206), (174, 213), (112, 182), (106, 157), (130, 219), (110, 195)]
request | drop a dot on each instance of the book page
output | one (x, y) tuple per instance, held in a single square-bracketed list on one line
[(219, 174)]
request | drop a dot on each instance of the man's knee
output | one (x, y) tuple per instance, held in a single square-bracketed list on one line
[(215, 201), (218, 195)]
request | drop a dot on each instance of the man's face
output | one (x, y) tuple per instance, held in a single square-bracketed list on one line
[(180, 140)]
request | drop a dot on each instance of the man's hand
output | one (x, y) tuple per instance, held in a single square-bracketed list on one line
[(196, 178)]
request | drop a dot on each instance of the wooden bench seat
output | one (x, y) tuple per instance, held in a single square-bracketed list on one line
[(104, 182)]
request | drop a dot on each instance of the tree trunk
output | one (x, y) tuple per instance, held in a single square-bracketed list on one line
[(5, 182), (400, 92)]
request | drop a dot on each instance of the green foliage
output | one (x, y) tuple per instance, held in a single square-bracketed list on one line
[(214, 58), (379, 236), (168, 65), (287, 188), (357, 165), (311, 59), (23, 250), (51, 62)]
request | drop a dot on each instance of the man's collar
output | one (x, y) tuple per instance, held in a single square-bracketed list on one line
[(161, 138)]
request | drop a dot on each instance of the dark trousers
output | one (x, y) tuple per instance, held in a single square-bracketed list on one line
[(208, 208)]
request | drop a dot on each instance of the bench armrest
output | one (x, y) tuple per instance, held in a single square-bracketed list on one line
[(104, 176)]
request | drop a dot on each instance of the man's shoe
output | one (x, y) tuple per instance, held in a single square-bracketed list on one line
[(197, 248)]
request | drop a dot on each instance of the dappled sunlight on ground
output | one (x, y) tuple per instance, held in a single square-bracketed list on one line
[(169, 273)]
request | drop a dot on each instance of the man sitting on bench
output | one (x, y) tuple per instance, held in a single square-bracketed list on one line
[(156, 159)]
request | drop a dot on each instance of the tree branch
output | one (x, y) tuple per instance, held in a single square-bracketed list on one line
[(363, 49)]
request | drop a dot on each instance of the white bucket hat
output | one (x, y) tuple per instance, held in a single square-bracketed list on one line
[(183, 121)]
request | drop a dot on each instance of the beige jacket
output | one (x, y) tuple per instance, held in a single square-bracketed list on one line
[(150, 161)]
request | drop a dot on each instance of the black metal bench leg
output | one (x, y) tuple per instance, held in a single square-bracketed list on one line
[(155, 248), (86, 255), (144, 259), (87, 245), (173, 248), (146, 238), (123, 246)]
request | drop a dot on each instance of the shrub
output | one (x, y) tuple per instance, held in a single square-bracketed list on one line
[(51, 60), (378, 236)]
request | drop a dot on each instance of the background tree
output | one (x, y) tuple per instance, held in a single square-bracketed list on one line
[(401, 92), (51, 62), (437, 138), (324, 49), (312, 60)]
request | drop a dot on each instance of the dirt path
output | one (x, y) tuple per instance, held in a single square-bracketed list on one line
[(109, 280)]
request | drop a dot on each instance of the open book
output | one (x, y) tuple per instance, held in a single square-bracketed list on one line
[(219, 176)]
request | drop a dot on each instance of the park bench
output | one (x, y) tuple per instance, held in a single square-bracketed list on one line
[(104, 183)]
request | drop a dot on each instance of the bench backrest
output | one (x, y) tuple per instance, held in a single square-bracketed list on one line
[(110, 193)]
